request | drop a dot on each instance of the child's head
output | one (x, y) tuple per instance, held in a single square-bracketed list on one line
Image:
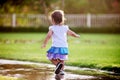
[(57, 17)]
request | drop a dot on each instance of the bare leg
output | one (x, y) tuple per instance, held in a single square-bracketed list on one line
[(56, 61), (63, 62)]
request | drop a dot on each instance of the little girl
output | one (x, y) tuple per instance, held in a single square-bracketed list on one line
[(58, 52)]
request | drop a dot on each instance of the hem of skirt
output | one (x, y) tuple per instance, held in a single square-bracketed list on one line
[(51, 56), (57, 58), (58, 53)]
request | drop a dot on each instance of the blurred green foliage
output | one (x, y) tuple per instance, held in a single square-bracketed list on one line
[(114, 30), (69, 6)]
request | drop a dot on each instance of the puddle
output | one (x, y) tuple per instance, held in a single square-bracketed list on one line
[(28, 73), (20, 69)]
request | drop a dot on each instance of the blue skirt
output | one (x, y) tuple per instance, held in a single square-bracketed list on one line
[(58, 53)]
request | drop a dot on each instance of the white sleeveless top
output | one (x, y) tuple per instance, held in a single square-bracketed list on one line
[(59, 37)]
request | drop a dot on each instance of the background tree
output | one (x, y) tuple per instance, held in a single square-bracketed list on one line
[(25, 6), (92, 6), (76, 6), (69, 6)]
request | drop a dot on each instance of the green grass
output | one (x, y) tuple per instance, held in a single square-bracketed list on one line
[(90, 50)]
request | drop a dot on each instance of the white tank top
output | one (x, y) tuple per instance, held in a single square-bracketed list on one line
[(59, 37)]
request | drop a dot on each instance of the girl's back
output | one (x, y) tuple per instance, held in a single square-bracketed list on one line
[(59, 37)]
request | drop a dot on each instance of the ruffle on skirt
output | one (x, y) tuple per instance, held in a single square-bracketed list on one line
[(58, 50), (57, 56), (58, 53)]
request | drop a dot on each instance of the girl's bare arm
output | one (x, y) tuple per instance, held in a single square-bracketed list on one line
[(71, 33), (49, 34)]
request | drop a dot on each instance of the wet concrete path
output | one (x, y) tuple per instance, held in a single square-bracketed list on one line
[(20, 69)]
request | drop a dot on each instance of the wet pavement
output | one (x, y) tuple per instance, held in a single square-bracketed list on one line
[(30, 71)]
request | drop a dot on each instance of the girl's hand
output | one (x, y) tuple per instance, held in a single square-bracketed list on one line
[(43, 46), (78, 36)]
